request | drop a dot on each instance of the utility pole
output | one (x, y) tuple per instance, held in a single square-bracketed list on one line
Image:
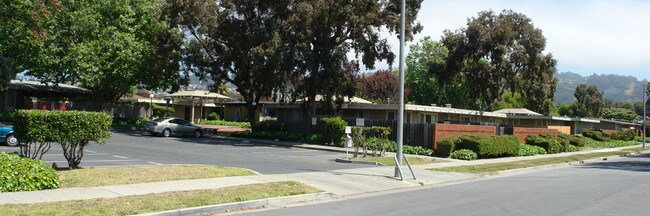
[(400, 109)]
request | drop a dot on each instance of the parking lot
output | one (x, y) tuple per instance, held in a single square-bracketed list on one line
[(139, 148)]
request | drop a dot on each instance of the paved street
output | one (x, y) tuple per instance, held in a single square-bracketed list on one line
[(613, 187), (138, 148)]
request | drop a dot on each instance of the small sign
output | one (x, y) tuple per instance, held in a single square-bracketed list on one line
[(360, 122), (348, 129), (313, 121)]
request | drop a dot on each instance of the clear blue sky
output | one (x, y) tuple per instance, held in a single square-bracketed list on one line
[(586, 37)]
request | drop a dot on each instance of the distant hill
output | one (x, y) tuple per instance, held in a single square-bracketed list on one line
[(617, 88)]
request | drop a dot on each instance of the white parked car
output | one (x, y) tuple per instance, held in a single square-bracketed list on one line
[(168, 126)]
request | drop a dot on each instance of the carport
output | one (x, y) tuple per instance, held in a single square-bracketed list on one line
[(191, 98)]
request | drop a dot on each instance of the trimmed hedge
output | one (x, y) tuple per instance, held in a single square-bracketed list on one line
[(464, 154), (268, 126), (23, 174), (314, 138), (552, 144), (624, 134), (73, 130), (490, 146), (162, 111), (596, 135), (446, 146), (227, 123), (129, 122), (578, 141), (7, 116), (333, 129)]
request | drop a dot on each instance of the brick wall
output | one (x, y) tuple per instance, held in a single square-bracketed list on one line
[(446, 130), (521, 133)]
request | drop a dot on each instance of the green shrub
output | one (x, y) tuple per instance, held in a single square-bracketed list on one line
[(446, 146), (380, 145), (268, 126), (73, 130), (227, 123), (284, 136), (416, 150), (578, 141), (608, 144), (162, 111), (489, 146), (129, 122), (7, 116), (214, 116), (596, 135), (314, 138), (464, 154), (625, 135), (572, 148), (530, 150), (548, 143), (24, 174), (333, 129)]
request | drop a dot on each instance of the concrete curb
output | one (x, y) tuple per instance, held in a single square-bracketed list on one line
[(282, 143), (344, 160), (248, 205)]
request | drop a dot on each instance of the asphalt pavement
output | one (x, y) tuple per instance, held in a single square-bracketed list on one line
[(140, 148), (617, 186)]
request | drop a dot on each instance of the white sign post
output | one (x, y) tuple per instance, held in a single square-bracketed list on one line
[(348, 140)]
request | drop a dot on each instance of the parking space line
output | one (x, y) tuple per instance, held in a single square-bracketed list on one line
[(99, 161), (275, 152), (154, 163), (89, 151), (122, 157)]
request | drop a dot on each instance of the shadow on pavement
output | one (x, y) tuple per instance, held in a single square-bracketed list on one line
[(203, 140), (639, 163)]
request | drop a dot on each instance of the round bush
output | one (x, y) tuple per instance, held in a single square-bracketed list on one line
[(530, 150), (464, 154), (214, 116), (24, 174)]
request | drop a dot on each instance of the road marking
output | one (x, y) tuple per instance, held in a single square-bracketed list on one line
[(99, 161), (90, 151), (276, 152), (122, 157), (154, 163)]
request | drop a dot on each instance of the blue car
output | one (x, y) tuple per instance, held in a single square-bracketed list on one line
[(7, 135)]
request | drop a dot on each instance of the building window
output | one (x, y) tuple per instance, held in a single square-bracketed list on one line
[(427, 119), (360, 114), (391, 116)]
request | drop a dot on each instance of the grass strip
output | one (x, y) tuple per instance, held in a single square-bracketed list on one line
[(495, 167), (161, 202), (389, 161), (141, 174)]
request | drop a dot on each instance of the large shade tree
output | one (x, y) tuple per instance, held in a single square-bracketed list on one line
[(589, 101), (108, 47), (329, 30), (381, 86), (19, 30), (243, 42), (499, 53)]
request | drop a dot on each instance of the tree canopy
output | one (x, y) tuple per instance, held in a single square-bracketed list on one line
[(589, 101), (329, 30), (381, 86), (620, 114), (499, 53), (106, 46)]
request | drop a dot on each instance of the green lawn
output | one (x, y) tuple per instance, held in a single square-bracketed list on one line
[(487, 168), (141, 174), (161, 202)]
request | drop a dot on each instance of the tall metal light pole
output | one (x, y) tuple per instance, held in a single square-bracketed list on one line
[(400, 109)]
